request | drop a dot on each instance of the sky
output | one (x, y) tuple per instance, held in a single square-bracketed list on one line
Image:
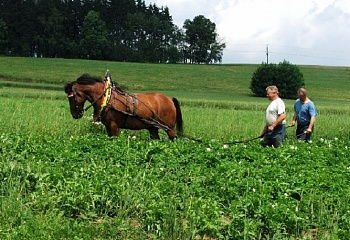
[(302, 32)]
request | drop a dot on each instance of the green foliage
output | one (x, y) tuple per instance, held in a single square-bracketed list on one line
[(171, 190), (287, 77), (49, 35), (3, 37), (263, 77), (123, 30), (174, 55), (94, 43), (202, 39)]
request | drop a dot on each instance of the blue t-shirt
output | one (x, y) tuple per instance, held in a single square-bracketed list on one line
[(304, 111)]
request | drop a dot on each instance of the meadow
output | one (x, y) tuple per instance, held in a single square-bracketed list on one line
[(65, 179)]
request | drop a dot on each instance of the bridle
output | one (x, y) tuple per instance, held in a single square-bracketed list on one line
[(74, 96)]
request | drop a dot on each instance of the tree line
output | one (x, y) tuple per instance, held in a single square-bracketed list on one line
[(115, 30)]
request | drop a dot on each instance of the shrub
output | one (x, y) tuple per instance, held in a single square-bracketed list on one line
[(285, 76)]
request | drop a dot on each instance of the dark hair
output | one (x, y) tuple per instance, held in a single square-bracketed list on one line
[(87, 79)]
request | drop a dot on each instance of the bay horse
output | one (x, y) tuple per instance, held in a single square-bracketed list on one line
[(117, 109)]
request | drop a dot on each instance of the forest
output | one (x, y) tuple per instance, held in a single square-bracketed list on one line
[(112, 30)]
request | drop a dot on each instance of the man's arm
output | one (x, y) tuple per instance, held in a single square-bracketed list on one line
[(292, 123), (311, 125), (278, 121)]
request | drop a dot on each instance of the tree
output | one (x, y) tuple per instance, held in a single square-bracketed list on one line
[(122, 30), (289, 79), (215, 53), (3, 37), (148, 33), (201, 36), (51, 39), (20, 19), (175, 49), (285, 76), (94, 43), (116, 16)]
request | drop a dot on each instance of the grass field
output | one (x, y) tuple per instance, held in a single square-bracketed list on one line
[(65, 179), (222, 90)]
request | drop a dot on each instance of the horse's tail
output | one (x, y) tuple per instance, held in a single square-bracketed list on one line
[(179, 122)]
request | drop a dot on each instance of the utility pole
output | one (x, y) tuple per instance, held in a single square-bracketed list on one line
[(267, 53)]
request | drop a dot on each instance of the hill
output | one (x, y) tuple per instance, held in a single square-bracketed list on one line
[(323, 83)]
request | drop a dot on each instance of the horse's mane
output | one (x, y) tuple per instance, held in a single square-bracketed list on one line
[(87, 79)]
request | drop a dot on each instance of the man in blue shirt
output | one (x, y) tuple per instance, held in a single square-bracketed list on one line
[(305, 116)]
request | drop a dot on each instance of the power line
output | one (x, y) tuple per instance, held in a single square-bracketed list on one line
[(302, 50), (313, 49), (261, 46), (302, 55)]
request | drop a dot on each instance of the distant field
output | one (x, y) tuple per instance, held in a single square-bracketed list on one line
[(229, 81)]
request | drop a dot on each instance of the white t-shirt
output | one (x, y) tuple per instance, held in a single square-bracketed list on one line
[(275, 109)]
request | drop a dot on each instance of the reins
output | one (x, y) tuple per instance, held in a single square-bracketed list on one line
[(156, 122), (243, 141), (75, 100), (254, 138), (91, 104)]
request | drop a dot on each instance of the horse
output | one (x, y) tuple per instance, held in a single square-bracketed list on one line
[(117, 109)]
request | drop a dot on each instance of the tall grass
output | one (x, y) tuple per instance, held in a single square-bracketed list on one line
[(47, 112), (203, 90), (216, 99), (38, 116)]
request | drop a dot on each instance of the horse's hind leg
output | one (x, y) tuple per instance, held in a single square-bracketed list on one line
[(154, 133)]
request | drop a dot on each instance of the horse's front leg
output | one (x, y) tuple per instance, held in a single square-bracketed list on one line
[(171, 134), (112, 129)]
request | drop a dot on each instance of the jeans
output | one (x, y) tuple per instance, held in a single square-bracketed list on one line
[(300, 132), (274, 138)]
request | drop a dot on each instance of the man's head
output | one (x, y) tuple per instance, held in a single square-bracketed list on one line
[(272, 92), (302, 94)]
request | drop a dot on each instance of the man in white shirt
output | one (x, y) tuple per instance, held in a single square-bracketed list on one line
[(275, 127)]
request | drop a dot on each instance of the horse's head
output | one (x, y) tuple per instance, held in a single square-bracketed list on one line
[(76, 100), (85, 88)]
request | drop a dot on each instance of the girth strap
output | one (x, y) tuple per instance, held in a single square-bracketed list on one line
[(131, 108), (131, 103)]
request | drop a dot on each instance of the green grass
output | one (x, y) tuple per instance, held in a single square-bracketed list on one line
[(327, 83), (87, 186), (65, 179), (217, 96), (232, 81)]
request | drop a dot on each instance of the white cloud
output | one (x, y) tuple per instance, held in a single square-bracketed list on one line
[(314, 32)]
